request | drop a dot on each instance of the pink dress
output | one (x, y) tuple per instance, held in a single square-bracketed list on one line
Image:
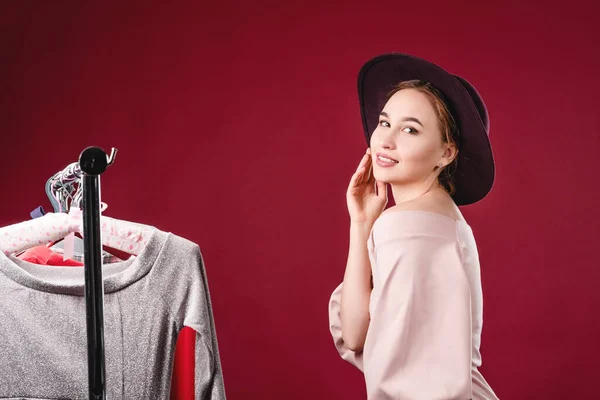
[(426, 311)]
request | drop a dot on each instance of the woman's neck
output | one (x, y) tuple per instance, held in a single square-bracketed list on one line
[(406, 193)]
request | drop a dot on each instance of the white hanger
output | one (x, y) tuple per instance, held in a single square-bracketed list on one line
[(126, 236)]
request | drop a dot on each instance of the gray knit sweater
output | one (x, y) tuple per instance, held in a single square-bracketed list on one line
[(147, 301)]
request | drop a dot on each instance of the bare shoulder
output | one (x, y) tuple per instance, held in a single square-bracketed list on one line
[(438, 203)]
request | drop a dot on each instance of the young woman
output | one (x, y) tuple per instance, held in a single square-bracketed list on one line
[(409, 311)]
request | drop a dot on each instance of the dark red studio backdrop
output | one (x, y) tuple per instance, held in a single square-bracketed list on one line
[(237, 127)]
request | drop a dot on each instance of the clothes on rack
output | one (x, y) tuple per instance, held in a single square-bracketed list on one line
[(182, 380), (147, 301), (78, 252), (42, 255)]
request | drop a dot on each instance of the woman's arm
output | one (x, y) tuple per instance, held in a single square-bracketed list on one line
[(356, 290), (366, 199)]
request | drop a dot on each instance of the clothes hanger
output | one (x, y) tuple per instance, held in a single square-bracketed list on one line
[(128, 237), (124, 236), (62, 189)]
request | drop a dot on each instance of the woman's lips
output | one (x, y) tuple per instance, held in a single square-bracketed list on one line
[(385, 161)]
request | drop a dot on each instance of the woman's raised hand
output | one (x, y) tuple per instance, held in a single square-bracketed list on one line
[(366, 197)]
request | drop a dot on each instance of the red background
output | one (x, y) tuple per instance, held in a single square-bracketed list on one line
[(238, 127)]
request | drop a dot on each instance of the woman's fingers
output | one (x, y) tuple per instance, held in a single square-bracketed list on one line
[(370, 175), (359, 181), (364, 160), (355, 181), (364, 171), (381, 190)]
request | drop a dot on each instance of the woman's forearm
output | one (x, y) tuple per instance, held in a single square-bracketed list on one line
[(356, 290)]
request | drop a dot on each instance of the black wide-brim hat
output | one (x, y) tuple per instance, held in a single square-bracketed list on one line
[(475, 172)]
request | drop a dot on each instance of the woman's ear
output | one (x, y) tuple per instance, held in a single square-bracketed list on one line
[(450, 153)]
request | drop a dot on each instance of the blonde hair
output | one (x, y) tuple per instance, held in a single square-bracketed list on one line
[(447, 124)]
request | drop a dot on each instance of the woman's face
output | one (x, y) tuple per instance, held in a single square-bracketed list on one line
[(407, 143)]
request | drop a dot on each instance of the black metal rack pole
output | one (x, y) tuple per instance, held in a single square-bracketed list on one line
[(93, 161)]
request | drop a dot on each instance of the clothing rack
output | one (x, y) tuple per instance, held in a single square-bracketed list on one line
[(93, 161), (189, 295)]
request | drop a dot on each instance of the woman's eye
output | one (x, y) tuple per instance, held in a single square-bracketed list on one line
[(384, 124), (408, 129)]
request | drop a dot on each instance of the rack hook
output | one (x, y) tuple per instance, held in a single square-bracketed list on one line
[(111, 158)]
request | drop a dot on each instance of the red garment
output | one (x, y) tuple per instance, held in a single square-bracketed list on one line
[(45, 256), (182, 378)]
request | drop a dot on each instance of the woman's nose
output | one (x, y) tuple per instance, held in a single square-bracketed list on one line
[(386, 141)]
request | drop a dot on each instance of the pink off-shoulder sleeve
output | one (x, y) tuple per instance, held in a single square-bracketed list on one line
[(335, 327), (419, 341)]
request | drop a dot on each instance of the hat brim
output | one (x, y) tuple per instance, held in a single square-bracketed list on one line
[(475, 172)]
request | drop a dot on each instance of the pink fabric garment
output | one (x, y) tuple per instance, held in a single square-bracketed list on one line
[(426, 311), (42, 255)]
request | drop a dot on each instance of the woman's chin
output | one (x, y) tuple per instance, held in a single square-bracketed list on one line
[(385, 178)]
